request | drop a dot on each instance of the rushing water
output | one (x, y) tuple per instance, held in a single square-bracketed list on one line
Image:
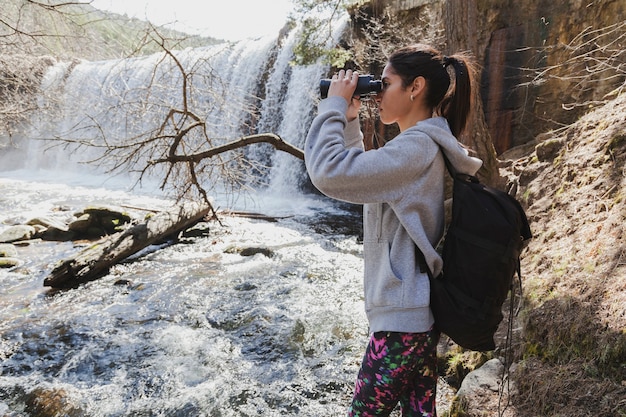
[(193, 328), (196, 330)]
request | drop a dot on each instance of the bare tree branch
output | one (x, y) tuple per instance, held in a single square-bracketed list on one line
[(270, 138)]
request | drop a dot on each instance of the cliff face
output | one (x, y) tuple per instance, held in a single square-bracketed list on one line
[(543, 61)]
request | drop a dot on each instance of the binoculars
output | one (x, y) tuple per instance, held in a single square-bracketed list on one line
[(366, 87)]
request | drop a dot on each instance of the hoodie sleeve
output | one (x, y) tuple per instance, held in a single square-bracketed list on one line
[(353, 137), (356, 176)]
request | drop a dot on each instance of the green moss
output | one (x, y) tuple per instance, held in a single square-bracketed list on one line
[(460, 407), (456, 363)]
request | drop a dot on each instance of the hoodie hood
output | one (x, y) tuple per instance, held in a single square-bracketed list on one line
[(438, 130)]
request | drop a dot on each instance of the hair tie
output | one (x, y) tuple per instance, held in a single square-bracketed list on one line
[(446, 60)]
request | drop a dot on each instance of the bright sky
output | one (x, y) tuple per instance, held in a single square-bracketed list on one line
[(224, 19)]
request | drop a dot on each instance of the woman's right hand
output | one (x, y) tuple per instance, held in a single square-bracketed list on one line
[(343, 84)]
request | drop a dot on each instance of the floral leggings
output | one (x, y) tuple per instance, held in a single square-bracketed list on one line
[(397, 367)]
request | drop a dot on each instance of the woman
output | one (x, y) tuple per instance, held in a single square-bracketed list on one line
[(402, 188)]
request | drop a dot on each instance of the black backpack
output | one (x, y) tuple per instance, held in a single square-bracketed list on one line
[(481, 253)]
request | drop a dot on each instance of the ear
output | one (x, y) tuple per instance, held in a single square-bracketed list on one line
[(418, 85)]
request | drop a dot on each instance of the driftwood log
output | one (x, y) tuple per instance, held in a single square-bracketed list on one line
[(95, 261)]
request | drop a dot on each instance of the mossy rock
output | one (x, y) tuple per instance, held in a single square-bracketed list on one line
[(9, 262)]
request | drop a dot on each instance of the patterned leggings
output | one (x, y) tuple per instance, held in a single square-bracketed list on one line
[(397, 367)]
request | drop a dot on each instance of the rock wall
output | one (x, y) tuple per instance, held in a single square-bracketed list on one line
[(535, 67), (537, 57)]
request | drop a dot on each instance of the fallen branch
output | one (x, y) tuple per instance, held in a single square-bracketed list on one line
[(95, 261)]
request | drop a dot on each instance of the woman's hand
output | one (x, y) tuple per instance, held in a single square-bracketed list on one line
[(344, 84)]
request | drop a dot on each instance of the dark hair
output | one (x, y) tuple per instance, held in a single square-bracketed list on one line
[(453, 103)]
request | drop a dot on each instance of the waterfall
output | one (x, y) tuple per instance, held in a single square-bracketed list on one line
[(238, 89)]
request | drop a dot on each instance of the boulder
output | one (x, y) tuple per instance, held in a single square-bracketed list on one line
[(48, 223), (548, 149), (44, 402), (81, 223), (487, 377), (97, 221), (18, 232), (7, 250), (106, 212), (253, 251), (9, 262)]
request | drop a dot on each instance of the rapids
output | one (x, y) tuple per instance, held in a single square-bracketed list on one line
[(196, 329)]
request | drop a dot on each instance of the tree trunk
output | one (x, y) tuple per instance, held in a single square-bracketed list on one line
[(461, 19), (95, 261)]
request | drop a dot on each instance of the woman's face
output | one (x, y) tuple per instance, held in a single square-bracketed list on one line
[(394, 101)]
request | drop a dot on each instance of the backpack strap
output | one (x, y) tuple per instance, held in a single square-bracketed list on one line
[(456, 175)]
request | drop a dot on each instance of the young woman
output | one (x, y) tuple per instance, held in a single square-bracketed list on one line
[(402, 188)]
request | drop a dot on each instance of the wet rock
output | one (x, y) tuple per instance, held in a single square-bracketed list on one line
[(43, 402), (106, 212), (97, 221), (246, 286), (18, 232), (200, 230), (39, 229), (9, 262), (253, 251), (7, 250), (56, 235), (48, 223), (81, 224), (49, 228)]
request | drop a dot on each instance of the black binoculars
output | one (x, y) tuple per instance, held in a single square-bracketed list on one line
[(366, 86)]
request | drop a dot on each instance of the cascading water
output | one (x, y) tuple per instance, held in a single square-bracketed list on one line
[(191, 329), (118, 100)]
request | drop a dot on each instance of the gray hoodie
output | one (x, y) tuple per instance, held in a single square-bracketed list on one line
[(402, 188)]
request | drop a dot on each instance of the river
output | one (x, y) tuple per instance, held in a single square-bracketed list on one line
[(197, 329)]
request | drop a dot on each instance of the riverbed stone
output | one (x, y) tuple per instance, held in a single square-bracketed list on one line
[(17, 232), (107, 212), (8, 256), (44, 402), (105, 218), (7, 250), (56, 235), (48, 223), (9, 262), (251, 251), (81, 223)]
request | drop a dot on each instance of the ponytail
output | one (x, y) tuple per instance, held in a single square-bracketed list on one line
[(457, 102), (449, 95)]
